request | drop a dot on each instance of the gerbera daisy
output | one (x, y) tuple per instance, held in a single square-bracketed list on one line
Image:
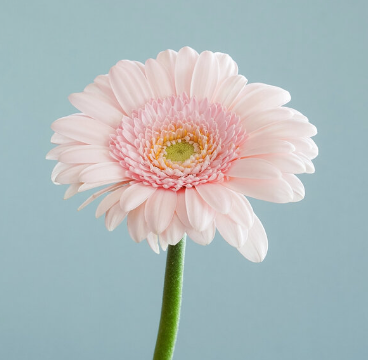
[(178, 143)]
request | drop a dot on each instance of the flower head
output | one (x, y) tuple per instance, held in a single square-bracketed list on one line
[(177, 143)]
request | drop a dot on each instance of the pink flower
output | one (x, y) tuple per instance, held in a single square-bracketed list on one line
[(177, 143)]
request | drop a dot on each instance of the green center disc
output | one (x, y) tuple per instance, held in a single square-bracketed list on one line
[(179, 151)]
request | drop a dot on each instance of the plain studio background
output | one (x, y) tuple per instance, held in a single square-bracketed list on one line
[(72, 290)]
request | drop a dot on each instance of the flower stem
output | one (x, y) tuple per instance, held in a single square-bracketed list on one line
[(171, 302)]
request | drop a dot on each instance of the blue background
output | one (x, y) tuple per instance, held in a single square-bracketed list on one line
[(69, 289)]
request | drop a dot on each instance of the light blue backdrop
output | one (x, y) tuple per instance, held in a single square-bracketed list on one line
[(69, 289)]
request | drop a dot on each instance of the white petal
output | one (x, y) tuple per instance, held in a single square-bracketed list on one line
[(205, 76), (97, 107), (114, 217), (130, 85), (227, 66), (255, 248), (84, 129), (137, 225), (241, 211), (259, 97), (109, 200), (135, 195), (185, 62), (174, 232), (204, 237), (111, 171), (232, 232), (200, 214), (159, 210), (274, 190), (152, 240), (87, 154), (266, 146), (217, 196), (159, 78), (229, 89)]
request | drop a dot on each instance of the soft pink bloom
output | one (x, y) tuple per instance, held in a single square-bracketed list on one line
[(177, 143)]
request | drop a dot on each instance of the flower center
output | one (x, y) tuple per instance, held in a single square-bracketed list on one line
[(180, 151)]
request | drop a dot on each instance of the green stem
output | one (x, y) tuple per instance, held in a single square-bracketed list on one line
[(171, 302)]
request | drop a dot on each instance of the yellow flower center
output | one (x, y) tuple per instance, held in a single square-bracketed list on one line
[(180, 151)]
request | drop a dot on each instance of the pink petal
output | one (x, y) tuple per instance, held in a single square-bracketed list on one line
[(266, 146), (241, 211), (88, 154), (229, 89), (217, 196), (163, 243), (71, 191), (58, 168), (84, 129), (185, 62), (97, 194), (130, 85), (89, 186), (135, 195), (306, 146), (204, 237), (152, 240), (259, 97), (159, 210), (137, 225), (286, 163), (285, 129), (309, 167), (104, 85), (260, 119), (205, 76), (252, 168), (97, 107), (275, 190), (232, 232), (255, 248), (181, 208), (159, 79), (227, 66), (167, 59), (54, 153), (109, 200), (200, 214), (103, 172), (60, 139), (70, 175), (296, 185), (114, 217), (174, 232)]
